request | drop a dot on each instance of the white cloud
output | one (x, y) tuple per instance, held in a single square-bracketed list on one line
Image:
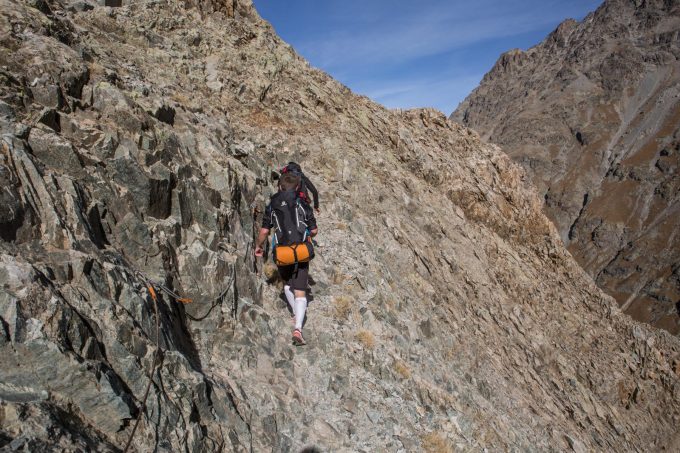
[(437, 28)]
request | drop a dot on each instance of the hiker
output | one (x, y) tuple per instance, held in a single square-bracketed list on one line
[(295, 225), (295, 169)]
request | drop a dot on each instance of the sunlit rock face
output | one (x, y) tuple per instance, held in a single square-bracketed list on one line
[(593, 115), (140, 142)]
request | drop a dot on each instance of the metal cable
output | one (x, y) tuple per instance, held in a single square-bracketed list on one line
[(142, 408)]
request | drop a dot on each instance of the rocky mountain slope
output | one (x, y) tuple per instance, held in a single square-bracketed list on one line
[(593, 115), (139, 142)]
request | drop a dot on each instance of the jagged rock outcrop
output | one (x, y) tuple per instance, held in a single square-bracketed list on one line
[(138, 142), (593, 113)]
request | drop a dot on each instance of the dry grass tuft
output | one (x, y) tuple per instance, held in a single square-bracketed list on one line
[(180, 98), (436, 443), (453, 352), (270, 271), (338, 277), (391, 303), (366, 338), (403, 369), (342, 306)]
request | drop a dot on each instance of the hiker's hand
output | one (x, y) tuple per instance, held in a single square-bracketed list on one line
[(259, 251), (316, 209)]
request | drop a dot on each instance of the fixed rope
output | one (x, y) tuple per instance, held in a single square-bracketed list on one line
[(213, 303), (151, 288), (142, 408)]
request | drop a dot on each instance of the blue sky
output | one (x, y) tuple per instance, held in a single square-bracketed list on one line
[(403, 54)]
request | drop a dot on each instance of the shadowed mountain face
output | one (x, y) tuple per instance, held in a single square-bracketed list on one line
[(593, 115), (140, 142)]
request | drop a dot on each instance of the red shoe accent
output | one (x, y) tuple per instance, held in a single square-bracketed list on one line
[(297, 338)]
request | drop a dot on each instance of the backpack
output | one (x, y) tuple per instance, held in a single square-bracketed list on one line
[(291, 243), (295, 169)]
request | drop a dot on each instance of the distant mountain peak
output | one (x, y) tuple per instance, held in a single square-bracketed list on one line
[(589, 112)]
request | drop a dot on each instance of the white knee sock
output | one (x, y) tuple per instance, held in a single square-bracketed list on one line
[(290, 297), (300, 309)]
